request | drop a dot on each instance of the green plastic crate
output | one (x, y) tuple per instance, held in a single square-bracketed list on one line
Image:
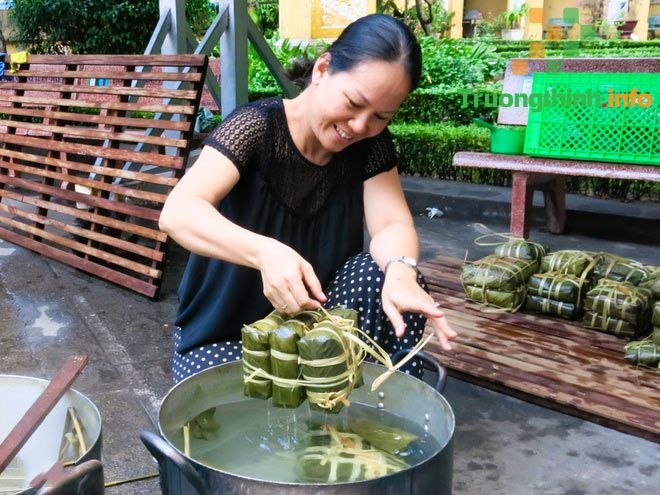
[(600, 131)]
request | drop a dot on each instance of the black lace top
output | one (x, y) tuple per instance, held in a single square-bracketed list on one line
[(317, 210)]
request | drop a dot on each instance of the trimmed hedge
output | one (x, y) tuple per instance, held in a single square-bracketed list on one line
[(426, 105), (437, 105), (517, 45), (427, 150)]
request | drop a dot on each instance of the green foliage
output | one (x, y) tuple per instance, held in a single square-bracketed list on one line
[(95, 26), (451, 62), (200, 15), (442, 104), (513, 17), (427, 149), (265, 13), (288, 54), (595, 44)]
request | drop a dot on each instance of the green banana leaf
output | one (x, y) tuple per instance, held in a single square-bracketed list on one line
[(321, 343), (569, 262), (620, 269), (656, 315), (646, 353), (525, 250), (284, 364), (387, 438), (496, 298), (621, 300), (340, 457), (204, 426), (498, 272), (550, 306), (557, 286), (256, 354), (608, 325), (653, 284), (655, 336)]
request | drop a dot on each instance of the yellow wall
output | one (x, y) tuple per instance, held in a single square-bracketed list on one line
[(300, 19), (295, 19), (639, 9)]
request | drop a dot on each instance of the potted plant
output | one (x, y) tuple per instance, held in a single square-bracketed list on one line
[(513, 18)]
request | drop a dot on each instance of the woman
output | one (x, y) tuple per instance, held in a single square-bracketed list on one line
[(274, 207)]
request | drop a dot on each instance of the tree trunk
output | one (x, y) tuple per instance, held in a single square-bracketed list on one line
[(424, 20)]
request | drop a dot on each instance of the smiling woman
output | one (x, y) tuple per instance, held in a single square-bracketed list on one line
[(273, 210)]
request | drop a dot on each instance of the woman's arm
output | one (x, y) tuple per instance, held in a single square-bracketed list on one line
[(190, 217), (393, 234)]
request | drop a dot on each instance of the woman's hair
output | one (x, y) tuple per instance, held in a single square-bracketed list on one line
[(373, 37)]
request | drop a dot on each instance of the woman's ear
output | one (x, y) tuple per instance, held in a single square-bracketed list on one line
[(320, 69)]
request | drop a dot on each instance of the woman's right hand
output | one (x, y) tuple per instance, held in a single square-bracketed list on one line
[(288, 279)]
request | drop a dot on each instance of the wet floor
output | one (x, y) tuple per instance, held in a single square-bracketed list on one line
[(503, 446)]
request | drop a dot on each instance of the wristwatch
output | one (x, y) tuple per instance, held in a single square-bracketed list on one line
[(406, 260)]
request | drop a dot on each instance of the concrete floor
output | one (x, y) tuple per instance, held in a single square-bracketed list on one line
[(502, 445)]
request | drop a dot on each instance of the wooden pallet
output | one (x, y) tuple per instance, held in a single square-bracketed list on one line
[(124, 143), (548, 361)]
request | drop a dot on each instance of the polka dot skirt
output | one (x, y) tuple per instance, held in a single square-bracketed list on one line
[(357, 285), (201, 358)]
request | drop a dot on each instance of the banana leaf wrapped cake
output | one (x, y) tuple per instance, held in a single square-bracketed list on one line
[(329, 365), (256, 354), (621, 269), (653, 284), (643, 352), (312, 355), (498, 272), (569, 262), (545, 305), (496, 298), (555, 293), (498, 281), (525, 250), (335, 456), (284, 365), (617, 307)]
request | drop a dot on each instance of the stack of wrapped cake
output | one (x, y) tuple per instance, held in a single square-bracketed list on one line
[(618, 307), (621, 302), (307, 356), (560, 285), (500, 280)]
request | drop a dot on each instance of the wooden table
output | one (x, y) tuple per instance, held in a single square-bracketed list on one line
[(548, 361)]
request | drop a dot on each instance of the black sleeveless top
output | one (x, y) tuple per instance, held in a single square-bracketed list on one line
[(316, 210)]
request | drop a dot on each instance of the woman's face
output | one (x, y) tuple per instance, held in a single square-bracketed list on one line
[(352, 105)]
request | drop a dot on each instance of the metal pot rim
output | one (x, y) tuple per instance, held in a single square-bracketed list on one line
[(452, 426)]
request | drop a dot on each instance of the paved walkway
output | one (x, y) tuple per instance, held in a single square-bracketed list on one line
[(503, 446)]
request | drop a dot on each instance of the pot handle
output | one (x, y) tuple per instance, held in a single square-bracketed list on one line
[(163, 451), (430, 362)]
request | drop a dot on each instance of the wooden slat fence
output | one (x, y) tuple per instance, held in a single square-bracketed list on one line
[(86, 168), (548, 361)]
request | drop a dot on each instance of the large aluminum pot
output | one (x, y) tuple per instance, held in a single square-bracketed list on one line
[(41, 451), (401, 394)]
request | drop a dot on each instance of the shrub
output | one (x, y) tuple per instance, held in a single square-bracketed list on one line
[(441, 104), (452, 62), (427, 149), (95, 26)]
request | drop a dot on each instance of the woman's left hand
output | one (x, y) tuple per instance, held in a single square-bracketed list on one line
[(402, 294)]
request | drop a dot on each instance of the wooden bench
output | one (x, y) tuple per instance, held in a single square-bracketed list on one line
[(544, 360), (548, 174), (85, 169)]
